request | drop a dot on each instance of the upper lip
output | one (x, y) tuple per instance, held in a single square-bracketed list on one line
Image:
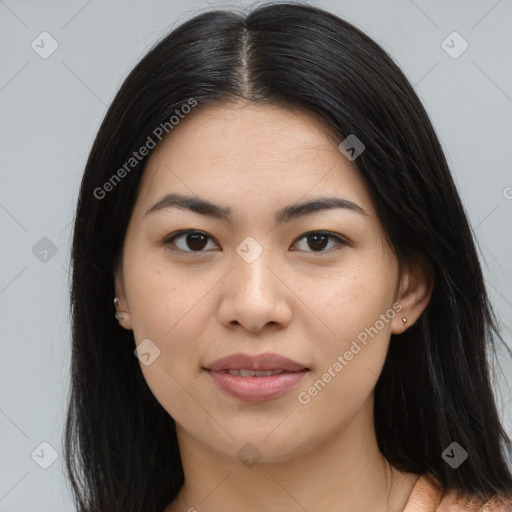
[(267, 361)]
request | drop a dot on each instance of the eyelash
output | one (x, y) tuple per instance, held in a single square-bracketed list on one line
[(171, 238)]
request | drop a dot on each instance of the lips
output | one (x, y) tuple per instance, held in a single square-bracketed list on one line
[(256, 378), (258, 362)]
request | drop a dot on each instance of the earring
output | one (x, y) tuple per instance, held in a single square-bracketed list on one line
[(121, 316), (404, 320)]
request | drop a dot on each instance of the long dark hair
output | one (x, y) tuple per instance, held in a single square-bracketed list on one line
[(435, 388)]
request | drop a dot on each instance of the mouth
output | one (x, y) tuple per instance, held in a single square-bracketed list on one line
[(258, 364), (256, 386), (255, 378)]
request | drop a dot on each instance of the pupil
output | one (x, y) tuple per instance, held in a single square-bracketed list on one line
[(316, 241), (194, 241)]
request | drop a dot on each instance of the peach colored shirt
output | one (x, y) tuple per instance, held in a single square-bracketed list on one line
[(427, 496)]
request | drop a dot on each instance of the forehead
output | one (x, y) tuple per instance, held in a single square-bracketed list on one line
[(230, 129), (242, 150)]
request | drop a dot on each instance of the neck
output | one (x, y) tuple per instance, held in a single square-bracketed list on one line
[(345, 473)]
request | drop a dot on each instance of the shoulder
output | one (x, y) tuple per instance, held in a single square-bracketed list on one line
[(427, 496)]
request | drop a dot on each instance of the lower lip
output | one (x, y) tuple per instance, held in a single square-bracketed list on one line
[(257, 389)]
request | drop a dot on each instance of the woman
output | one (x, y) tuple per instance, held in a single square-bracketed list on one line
[(301, 321)]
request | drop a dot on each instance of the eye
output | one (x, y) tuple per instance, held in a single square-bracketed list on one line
[(318, 240), (194, 241)]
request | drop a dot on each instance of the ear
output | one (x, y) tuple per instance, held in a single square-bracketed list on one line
[(415, 291), (122, 303)]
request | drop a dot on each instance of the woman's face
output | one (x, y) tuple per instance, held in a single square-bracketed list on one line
[(256, 284)]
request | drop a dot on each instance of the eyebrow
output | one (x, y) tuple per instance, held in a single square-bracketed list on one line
[(286, 214)]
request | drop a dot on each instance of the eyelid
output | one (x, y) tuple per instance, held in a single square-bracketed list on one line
[(341, 240), (170, 238)]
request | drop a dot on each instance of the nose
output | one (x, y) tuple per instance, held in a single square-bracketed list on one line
[(255, 295)]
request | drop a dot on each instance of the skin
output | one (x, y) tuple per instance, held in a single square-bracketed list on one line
[(294, 299)]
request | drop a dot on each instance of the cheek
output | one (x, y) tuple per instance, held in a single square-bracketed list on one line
[(162, 299), (355, 313), (349, 359), (168, 311)]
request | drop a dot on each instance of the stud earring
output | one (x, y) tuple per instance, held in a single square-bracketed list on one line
[(404, 320), (121, 316)]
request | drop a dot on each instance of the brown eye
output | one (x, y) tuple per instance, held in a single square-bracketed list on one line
[(319, 240), (196, 241), (188, 241)]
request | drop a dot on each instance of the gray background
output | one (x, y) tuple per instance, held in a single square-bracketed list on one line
[(50, 110)]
